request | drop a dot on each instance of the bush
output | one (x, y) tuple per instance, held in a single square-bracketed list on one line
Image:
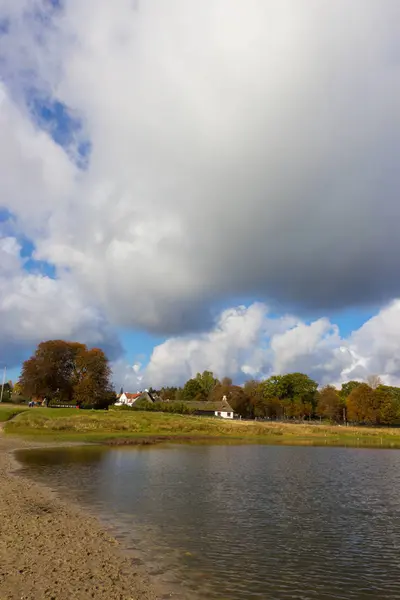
[(18, 399), (179, 408)]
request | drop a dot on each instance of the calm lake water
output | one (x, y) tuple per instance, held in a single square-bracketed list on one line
[(243, 522)]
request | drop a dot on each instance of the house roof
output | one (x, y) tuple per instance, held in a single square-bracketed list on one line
[(132, 396), (219, 406)]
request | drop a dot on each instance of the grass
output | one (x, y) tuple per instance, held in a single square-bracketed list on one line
[(7, 412), (118, 426)]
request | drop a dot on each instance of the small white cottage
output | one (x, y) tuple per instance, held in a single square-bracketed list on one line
[(225, 410)]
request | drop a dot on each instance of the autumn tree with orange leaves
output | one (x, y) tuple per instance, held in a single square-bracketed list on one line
[(68, 372)]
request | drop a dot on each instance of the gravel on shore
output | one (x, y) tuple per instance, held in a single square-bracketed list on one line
[(50, 550)]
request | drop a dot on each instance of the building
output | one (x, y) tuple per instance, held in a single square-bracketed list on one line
[(220, 408), (225, 410), (128, 399)]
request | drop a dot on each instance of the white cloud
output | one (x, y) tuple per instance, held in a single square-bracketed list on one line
[(35, 307), (237, 149), (376, 344), (246, 343), (36, 176)]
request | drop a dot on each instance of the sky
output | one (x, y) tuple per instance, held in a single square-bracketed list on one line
[(197, 186)]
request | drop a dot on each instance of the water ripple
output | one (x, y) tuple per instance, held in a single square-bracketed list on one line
[(244, 522)]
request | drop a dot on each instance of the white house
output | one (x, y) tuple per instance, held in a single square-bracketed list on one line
[(130, 399), (225, 410)]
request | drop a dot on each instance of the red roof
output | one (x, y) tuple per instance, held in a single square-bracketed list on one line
[(132, 396)]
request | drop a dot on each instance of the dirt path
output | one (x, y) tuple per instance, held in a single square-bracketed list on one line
[(51, 550)]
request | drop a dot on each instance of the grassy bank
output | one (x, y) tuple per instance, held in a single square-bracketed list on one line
[(9, 411), (119, 426)]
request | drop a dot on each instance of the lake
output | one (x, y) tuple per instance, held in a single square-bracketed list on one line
[(246, 521)]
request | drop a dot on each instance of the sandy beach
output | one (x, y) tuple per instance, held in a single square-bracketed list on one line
[(51, 550)]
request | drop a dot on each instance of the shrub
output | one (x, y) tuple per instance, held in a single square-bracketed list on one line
[(179, 408)]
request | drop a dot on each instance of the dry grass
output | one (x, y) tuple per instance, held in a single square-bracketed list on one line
[(100, 425)]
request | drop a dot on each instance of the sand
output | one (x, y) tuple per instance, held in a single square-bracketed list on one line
[(52, 550)]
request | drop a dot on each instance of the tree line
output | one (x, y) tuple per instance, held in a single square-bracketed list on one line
[(70, 373), (295, 396)]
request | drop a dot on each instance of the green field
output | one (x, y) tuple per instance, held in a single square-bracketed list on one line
[(124, 426)]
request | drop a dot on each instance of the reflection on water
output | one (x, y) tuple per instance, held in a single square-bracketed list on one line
[(242, 522)]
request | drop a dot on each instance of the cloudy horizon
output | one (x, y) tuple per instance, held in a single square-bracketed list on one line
[(202, 185)]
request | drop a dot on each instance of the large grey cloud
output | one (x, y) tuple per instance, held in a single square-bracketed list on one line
[(237, 149)]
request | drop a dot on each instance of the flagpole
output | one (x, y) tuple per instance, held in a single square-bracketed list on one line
[(2, 387)]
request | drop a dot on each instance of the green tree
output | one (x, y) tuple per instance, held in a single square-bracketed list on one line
[(179, 395), (6, 390), (193, 390), (207, 382), (299, 384), (395, 395), (275, 386), (385, 406), (168, 394), (296, 393)]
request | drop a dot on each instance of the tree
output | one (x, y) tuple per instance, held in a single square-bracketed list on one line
[(254, 392), (193, 390), (238, 400), (17, 389), (51, 370), (275, 387), (300, 385), (235, 394), (207, 382), (221, 389), (296, 393), (91, 379), (374, 381), (68, 372), (348, 387), (6, 391), (395, 406), (386, 405), (168, 394), (360, 404), (329, 404)]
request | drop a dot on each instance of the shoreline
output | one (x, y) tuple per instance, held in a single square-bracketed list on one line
[(54, 550)]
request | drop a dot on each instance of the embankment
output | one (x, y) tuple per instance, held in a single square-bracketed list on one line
[(149, 427)]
